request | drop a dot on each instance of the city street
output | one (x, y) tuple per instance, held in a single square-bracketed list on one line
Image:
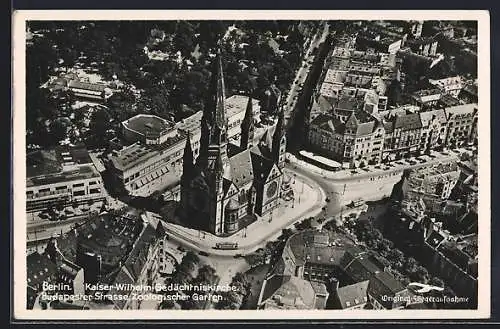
[(303, 71), (309, 199)]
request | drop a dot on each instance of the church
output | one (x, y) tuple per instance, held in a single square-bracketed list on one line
[(228, 184)]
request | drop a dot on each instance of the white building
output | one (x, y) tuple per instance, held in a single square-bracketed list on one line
[(60, 177)]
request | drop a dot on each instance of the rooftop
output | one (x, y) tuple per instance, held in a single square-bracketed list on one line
[(461, 109), (86, 85), (426, 117), (289, 292), (353, 295), (148, 125), (46, 162), (39, 268), (408, 122)]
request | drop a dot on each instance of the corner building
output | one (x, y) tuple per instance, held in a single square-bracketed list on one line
[(229, 184)]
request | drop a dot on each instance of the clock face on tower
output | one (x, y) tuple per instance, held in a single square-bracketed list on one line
[(271, 189)]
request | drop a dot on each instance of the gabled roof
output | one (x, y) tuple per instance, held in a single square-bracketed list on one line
[(353, 295), (289, 292), (408, 122), (426, 117), (328, 123), (262, 166), (384, 284), (39, 268)]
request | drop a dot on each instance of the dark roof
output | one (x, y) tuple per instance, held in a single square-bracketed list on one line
[(328, 123), (39, 269), (361, 268), (408, 122), (384, 284), (434, 239), (138, 256), (353, 295), (262, 166)]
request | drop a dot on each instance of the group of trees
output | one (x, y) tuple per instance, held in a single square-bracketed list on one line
[(405, 269), (234, 299), (176, 86), (190, 271)]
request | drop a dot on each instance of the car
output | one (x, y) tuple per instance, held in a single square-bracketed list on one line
[(204, 253), (432, 156), (327, 199)]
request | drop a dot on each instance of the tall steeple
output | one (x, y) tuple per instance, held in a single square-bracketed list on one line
[(217, 145), (187, 158), (247, 126), (213, 121), (279, 140)]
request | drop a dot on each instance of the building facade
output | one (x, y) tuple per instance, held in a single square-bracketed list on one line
[(462, 124), (358, 141), (61, 177)]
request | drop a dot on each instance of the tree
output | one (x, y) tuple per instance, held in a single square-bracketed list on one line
[(421, 274), (394, 93), (384, 246), (396, 256), (411, 265), (435, 281), (99, 124), (59, 130), (207, 275)]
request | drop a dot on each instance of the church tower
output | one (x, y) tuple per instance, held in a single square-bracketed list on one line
[(247, 127), (187, 172), (279, 140), (214, 134), (217, 141)]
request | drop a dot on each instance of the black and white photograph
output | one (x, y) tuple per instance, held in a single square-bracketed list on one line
[(251, 165)]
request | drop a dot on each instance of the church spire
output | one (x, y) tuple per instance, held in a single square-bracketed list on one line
[(279, 139), (247, 126), (220, 117), (187, 158)]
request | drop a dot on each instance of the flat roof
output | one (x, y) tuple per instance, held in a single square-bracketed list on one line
[(321, 159), (78, 173), (136, 153), (148, 125)]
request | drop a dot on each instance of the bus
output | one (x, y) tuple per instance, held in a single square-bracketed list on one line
[(226, 245)]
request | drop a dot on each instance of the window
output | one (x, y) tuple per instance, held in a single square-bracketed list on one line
[(78, 193), (92, 183), (78, 185), (95, 190)]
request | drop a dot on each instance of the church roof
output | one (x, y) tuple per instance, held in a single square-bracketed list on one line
[(241, 168), (262, 166)]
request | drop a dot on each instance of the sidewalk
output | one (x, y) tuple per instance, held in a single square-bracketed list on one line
[(310, 195)]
